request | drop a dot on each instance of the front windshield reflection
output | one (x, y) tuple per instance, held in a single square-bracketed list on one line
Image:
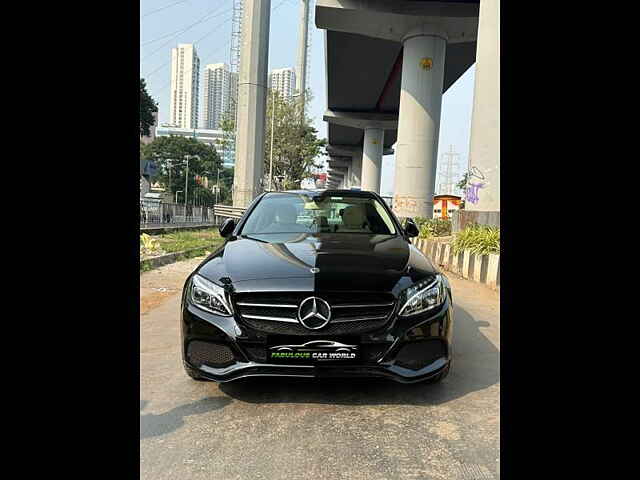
[(288, 213)]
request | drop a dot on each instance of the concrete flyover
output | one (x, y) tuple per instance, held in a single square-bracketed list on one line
[(388, 63)]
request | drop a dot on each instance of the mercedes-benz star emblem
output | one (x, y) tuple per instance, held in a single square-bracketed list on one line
[(314, 313)]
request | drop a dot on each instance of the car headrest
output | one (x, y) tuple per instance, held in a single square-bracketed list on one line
[(353, 217), (286, 214)]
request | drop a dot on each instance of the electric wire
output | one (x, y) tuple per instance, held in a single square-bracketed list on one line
[(181, 32), (162, 8), (217, 27)]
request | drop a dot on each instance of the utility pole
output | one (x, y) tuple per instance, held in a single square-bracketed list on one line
[(252, 102), (303, 53), (273, 123), (303, 56)]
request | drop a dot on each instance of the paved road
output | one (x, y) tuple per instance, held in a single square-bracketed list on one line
[(329, 429)]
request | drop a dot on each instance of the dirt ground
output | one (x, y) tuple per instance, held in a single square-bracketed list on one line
[(159, 284)]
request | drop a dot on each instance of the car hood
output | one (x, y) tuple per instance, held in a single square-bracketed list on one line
[(308, 262)]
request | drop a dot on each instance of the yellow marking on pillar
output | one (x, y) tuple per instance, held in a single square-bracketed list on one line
[(426, 63)]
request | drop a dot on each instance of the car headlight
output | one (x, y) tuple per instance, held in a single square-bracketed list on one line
[(422, 296), (208, 296)]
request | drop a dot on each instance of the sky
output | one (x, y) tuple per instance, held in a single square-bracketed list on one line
[(165, 23)]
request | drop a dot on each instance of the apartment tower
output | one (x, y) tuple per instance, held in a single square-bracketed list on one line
[(220, 93), (284, 81), (185, 81)]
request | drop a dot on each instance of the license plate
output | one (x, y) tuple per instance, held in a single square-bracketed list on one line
[(315, 351)]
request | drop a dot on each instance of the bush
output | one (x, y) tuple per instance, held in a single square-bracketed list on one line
[(149, 246), (479, 239), (433, 227)]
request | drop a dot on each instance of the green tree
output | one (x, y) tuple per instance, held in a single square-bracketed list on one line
[(462, 184), (296, 146), (226, 184), (228, 127), (148, 107), (169, 155)]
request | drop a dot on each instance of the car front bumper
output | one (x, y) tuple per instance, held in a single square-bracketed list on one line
[(391, 362)]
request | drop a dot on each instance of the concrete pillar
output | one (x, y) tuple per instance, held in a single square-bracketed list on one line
[(483, 189), (252, 96), (372, 159), (355, 171), (419, 121), (341, 173), (338, 162)]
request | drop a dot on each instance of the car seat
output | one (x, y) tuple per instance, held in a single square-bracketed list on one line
[(354, 220)]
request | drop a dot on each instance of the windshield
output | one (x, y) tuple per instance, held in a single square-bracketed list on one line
[(299, 213)]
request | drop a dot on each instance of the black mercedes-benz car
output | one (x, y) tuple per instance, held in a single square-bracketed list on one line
[(334, 269)]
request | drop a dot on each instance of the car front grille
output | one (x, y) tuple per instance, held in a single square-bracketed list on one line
[(277, 313)]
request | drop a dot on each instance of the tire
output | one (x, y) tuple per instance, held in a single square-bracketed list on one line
[(194, 374)]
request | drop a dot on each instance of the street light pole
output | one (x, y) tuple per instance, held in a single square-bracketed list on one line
[(217, 185), (186, 184)]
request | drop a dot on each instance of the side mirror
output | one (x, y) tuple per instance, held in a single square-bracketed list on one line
[(411, 229), (227, 227)]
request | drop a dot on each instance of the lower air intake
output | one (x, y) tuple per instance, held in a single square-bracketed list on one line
[(210, 354), (417, 355)]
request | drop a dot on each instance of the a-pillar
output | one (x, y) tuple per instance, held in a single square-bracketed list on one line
[(419, 121), (372, 159), (252, 96)]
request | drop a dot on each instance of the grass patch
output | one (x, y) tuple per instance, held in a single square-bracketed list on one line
[(433, 227), (185, 240), (201, 240), (479, 239)]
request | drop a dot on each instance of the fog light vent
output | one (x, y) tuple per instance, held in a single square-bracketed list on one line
[(417, 355), (211, 354)]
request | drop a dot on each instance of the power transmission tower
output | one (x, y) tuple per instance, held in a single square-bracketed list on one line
[(449, 173), (236, 35), (234, 68)]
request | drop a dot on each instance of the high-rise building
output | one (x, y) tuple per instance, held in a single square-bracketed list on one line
[(284, 81), (185, 82), (220, 94)]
